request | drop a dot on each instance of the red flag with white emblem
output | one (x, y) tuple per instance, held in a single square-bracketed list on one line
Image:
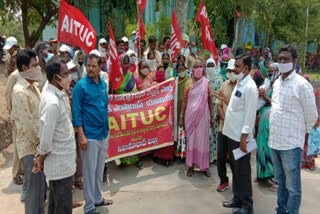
[(140, 32), (176, 38), (207, 40), (74, 28), (115, 74)]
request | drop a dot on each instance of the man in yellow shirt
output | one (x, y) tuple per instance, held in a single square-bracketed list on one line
[(25, 114)]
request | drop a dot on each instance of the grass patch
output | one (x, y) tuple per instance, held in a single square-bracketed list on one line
[(314, 75)]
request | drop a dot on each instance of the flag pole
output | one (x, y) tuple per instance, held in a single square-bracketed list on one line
[(139, 48), (192, 28)]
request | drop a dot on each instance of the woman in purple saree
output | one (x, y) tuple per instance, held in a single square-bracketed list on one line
[(196, 110)]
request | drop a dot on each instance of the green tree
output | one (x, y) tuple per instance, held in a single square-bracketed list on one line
[(286, 21), (223, 18), (35, 16)]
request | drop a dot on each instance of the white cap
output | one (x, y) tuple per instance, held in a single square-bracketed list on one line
[(125, 39), (102, 40), (71, 65), (231, 64), (65, 48), (95, 52), (223, 46), (134, 32), (11, 41), (130, 52)]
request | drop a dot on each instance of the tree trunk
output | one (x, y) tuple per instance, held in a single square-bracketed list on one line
[(46, 15), (181, 12), (231, 31)]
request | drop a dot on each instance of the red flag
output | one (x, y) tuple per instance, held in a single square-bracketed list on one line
[(142, 4), (207, 40), (74, 28), (176, 38), (238, 13), (140, 32), (115, 74)]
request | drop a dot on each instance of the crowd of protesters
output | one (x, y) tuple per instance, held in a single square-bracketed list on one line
[(57, 98)]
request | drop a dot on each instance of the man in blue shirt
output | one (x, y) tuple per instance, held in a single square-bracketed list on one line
[(90, 117)]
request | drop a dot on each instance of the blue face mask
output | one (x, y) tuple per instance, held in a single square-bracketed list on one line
[(194, 50), (133, 38), (49, 56)]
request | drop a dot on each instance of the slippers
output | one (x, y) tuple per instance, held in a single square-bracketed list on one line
[(17, 180), (207, 173), (274, 188), (79, 185), (189, 172), (76, 204), (104, 203)]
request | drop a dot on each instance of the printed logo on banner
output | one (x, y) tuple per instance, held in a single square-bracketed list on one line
[(142, 121)]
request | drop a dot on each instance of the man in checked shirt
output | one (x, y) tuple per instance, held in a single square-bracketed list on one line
[(293, 114)]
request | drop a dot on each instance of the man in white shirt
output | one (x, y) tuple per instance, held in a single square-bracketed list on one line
[(239, 123), (57, 148), (293, 114)]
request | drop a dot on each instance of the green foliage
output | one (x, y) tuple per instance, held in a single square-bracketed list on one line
[(222, 17), (221, 34), (150, 30), (35, 15), (120, 13), (286, 21), (163, 26), (129, 28), (13, 28)]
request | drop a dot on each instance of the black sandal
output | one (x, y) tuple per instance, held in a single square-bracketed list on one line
[(207, 173), (104, 202), (139, 165), (17, 180), (190, 172)]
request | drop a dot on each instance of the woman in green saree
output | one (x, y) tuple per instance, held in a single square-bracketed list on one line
[(128, 86), (265, 170)]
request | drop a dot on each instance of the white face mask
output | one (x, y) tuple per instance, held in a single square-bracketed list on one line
[(74, 76), (133, 59), (144, 71), (152, 64), (231, 76), (285, 67), (211, 71), (239, 76)]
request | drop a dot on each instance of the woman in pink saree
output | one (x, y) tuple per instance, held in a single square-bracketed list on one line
[(196, 111)]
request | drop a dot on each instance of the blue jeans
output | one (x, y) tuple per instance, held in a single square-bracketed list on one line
[(287, 170)]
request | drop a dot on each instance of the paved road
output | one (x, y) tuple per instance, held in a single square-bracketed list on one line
[(161, 190)]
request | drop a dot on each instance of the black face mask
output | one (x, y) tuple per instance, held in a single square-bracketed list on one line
[(224, 65), (269, 75), (80, 63)]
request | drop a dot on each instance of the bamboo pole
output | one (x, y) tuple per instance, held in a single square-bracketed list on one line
[(139, 47)]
